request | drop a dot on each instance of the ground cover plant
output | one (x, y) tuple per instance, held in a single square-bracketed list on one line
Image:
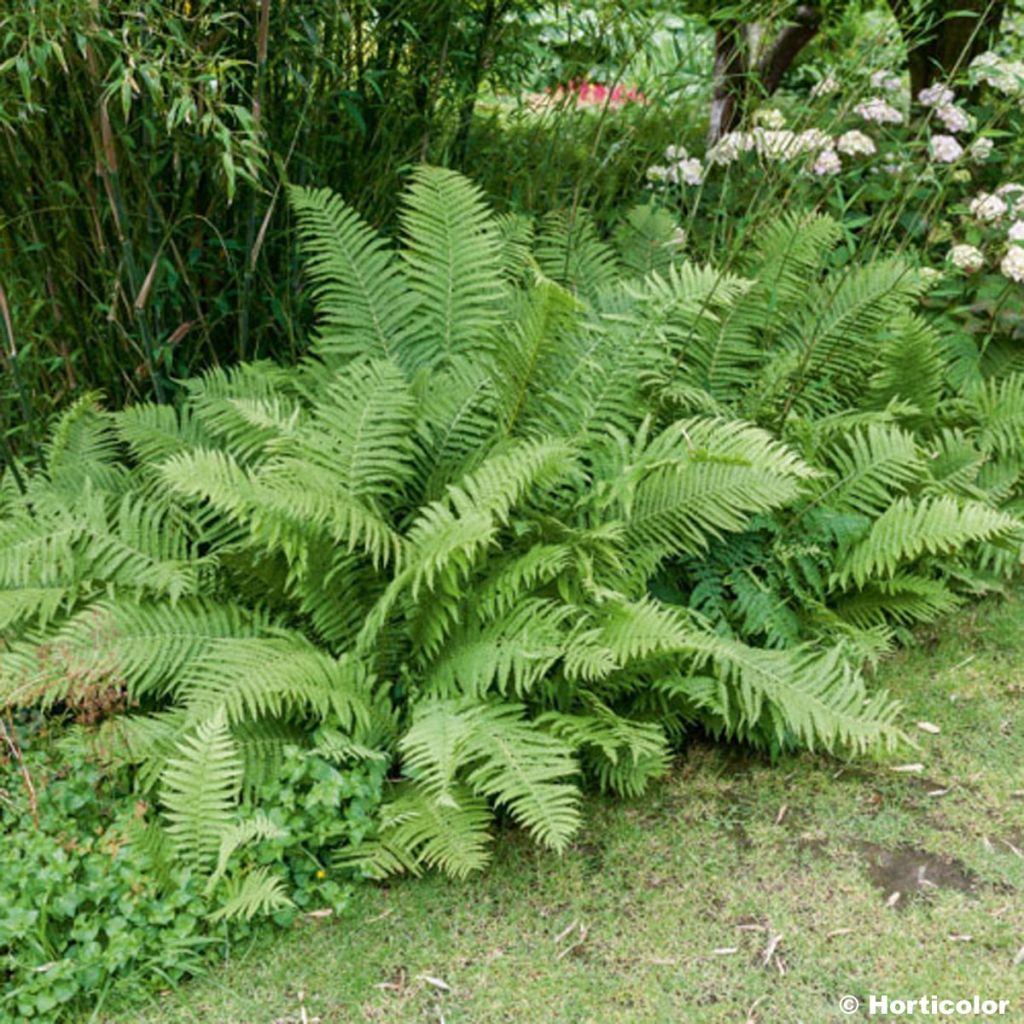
[(93, 911)]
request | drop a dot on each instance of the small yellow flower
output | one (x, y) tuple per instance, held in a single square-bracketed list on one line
[(321, 873)]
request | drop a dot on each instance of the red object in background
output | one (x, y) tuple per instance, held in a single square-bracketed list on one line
[(594, 94)]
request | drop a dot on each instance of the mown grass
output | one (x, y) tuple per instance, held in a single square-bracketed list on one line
[(738, 891)]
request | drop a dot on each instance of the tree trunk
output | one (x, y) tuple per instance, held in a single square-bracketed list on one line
[(938, 44), (736, 74), (730, 81)]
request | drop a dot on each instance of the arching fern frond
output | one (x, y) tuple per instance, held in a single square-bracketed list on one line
[(199, 789), (453, 260), (364, 304)]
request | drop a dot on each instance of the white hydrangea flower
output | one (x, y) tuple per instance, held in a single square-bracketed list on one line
[(967, 258), (657, 172), (810, 140), (945, 149), (776, 145), (1013, 195), (884, 80), (988, 207), (825, 87), (987, 68), (1012, 265), (729, 147), (1005, 76), (691, 171), (988, 59), (1016, 232), (828, 162), (879, 111), (930, 276), (675, 153), (981, 149), (770, 117), (855, 143), (955, 119), (937, 95)]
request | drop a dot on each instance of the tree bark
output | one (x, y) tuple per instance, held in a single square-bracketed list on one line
[(939, 45), (730, 79), (735, 74), (789, 42)]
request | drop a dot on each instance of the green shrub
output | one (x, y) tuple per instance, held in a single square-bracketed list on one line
[(91, 905)]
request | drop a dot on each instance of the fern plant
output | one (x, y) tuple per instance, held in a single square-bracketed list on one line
[(517, 523), (918, 490)]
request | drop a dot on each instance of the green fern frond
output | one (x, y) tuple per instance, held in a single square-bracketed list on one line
[(364, 304), (453, 261), (360, 431), (83, 447), (257, 892), (871, 467), (569, 251), (267, 677), (906, 599), (908, 529), (416, 830), (199, 790), (623, 754), (648, 240), (513, 652), (498, 755), (998, 408), (796, 697), (241, 833), (701, 478)]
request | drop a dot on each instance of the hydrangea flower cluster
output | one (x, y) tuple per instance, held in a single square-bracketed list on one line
[(1012, 265), (771, 118), (879, 111), (937, 95), (945, 149), (824, 155), (1004, 76), (681, 168), (772, 144), (828, 162), (855, 143), (886, 81), (968, 258), (990, 209), (955, 119), (987, 207)]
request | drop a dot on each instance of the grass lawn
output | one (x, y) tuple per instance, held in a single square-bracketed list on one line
[(736, 891)]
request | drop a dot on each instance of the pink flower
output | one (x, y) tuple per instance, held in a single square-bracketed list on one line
[(594, 94)]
